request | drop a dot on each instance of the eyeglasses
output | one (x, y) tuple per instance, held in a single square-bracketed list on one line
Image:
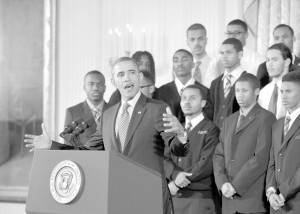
[(234, 34), (144, 86)]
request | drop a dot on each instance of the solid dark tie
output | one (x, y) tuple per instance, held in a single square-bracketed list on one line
[(240, 121), (123, 124), (273, 101), (227, 84), (197, 74), (286, 124)]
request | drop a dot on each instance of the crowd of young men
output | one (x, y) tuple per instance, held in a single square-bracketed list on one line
[(212, 131)]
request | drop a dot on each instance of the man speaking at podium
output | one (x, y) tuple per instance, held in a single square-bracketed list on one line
[(134, 127)]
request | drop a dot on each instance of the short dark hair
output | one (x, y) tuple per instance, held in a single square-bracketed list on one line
[(196, 26), (285, 52), (138, 55), (124, 59), (240, 23), (250, 78), (94, 72), (235, 42), (293, 76), (186, 51), (197, 86), (148, 76), (284, 25)]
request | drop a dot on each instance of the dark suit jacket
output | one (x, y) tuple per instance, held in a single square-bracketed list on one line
[(146, 139), (241, 158), (169, 94), (82, 110), (263, 75), (222, 107), (284, 165)]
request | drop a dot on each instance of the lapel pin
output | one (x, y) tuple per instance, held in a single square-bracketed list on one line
[(139, 112)]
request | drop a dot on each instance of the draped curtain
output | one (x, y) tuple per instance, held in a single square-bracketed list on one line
[(263, 16)]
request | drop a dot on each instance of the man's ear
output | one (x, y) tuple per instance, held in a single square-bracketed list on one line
[(256, 91), (113, 82), (151, 89), (203, 103), (240, 54), (287, 62)]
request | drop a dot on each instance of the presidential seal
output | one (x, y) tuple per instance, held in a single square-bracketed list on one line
[(65, 181)]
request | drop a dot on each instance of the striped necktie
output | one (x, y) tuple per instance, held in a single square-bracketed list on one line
[(123, 124), (188, 127), (227, 84), (197, 74), (286, 124)]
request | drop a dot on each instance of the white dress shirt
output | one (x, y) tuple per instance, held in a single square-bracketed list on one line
[(180, 86), (235, 74), (265, 95), (195, 121), (293, 116)]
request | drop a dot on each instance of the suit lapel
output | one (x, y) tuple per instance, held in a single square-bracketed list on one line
[(136, 117), (249, 118), (290, 132), (87, 114), (112, 126)]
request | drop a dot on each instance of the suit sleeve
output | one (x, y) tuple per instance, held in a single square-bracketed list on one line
[(96, 142), (291, 185), (256, 166), (262, 75), (271, 179), (208, 109), (204, 167), (68, 120), (219, 160), (171, 169)]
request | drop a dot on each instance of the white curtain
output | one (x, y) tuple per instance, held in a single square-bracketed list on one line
[(264, 16)]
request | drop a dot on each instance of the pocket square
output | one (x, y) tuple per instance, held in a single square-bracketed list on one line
[(297, 137), (202, 132)]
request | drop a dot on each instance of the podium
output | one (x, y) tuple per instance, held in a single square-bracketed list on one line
[(111, 184)]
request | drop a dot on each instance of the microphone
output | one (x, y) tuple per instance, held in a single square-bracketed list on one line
[(69, 128), (83, 126)]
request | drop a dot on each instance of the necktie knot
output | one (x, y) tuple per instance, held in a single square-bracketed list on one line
[(97, 113), (188, 127), (227, 84), (240, 120)]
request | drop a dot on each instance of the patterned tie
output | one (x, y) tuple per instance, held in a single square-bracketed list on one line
[(188, 127), (240, 121), (97, 115), (286, 124), (273, 101), (227, 84), (123, 124), (197, 73)]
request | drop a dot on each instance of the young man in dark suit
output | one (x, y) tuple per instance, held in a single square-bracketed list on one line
[(137, 131), (241, 158), (170, 92), (283, 177), (93, 106), (282, 34), (191, 177), (222, 89)]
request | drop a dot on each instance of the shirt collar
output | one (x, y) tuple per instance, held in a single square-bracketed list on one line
[(133, 101), (195, 121), (245, 113), (180, 86), (236, 73), (293, 115), (279, 83), (99, 106), (203, 60)]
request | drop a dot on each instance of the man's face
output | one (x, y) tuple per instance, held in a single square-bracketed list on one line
[(182, 64), (94, 87), (229, 56), (144, 63), (245, 95), (283, 35), (238, 32), (191, 102), (196, 40), (126, 77), (146, 87), (290, 95), (275, 63)]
